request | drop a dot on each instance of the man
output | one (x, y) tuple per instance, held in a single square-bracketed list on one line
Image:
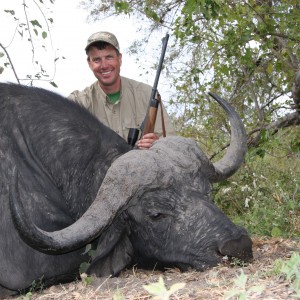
[(118, 102)]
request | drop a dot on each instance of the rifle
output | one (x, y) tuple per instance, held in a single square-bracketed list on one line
[(149, 122)]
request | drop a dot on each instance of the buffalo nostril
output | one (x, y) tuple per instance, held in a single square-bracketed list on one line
[(239, 248)]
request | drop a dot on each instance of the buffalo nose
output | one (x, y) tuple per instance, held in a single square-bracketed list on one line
[(239, 248)]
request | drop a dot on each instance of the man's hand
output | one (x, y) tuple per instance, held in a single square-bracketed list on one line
[(146, 141)]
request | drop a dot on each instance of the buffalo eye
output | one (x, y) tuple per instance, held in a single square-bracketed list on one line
[(157, 216)]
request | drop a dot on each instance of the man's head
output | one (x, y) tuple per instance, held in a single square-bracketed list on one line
[(104, 59)]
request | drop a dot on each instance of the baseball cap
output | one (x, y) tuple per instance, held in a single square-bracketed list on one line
[(103, 36)]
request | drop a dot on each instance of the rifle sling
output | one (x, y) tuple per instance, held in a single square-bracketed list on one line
[(162, 116)]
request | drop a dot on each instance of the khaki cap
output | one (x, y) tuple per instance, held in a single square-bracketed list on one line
[(103, 36)]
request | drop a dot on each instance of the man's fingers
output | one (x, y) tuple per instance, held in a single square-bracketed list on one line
[(147, 140), (150, 136), (145, 143)]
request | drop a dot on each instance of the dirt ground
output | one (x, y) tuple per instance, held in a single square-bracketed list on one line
[(258, 280)]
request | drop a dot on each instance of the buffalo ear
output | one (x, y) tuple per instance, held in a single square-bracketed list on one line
[(113, 253)]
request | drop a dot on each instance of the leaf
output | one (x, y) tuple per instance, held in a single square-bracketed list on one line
[(276, 232), (265, 135), (53, 84), (232, 293), (257, 288), (12, 12), (122, 7), (86, 279), (295, 144), (156, 288), (176, 287), (269, 68), (83, 267), (292, 267), (159, 289), (118, 295), (35, 23), (260, 152), (241, 280), (20, 33), (151, 14), (44, 34), (88, 247)]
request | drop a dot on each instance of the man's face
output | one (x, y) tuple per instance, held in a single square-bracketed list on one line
[(105, 64)]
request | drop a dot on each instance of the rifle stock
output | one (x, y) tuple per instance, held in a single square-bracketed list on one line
[(151, 119)]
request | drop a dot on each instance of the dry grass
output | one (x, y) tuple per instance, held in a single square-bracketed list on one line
[(211, 284)]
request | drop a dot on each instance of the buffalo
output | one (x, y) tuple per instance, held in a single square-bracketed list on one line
[(68, 181)]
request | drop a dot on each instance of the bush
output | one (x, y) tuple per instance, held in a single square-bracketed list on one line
[(264, 196)]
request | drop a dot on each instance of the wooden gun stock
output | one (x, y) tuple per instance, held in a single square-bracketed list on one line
[(151, 118)]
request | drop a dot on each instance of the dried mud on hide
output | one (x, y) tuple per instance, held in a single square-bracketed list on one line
[(211, 284)]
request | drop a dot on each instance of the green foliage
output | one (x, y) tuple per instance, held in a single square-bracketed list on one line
[(240, 290), (246, 51), (291, 270), (264, 195), (276, 270), (159, 290), (27, 296), (118, 295), (122, 7), (35, 286), (86, 279), (36, 23), (208, 8), (85, 265), (53, 83)]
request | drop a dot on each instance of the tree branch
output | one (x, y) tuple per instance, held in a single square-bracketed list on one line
[(10, 61), (288, 120), (296, 91)]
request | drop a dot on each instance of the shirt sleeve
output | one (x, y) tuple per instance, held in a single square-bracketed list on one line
[(81, 97)]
